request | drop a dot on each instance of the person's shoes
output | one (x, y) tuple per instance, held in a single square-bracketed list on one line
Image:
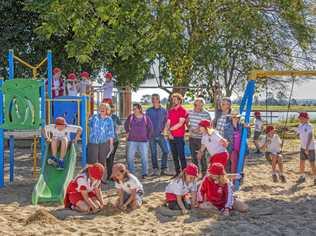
[(52, 161), (274, 178), (155, 172), (165, 173), (282, 178), (301, 179), (61, 165), (144, 176)]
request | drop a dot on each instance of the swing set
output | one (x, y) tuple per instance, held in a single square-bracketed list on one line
[(247, 100)]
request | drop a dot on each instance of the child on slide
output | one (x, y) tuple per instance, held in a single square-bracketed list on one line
[(83, 192), (129, 189), (216, 192), (58, 135), (273, 151), (181, 191), (306, 133), (214, 143)]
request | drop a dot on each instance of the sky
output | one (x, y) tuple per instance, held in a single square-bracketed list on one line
[(304, 90)]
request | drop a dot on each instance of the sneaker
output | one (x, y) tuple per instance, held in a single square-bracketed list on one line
[(144, 176), (61, 165), (165, 173), (274, 178), (282, 178), (301, 179), (52, 161), (155, 172)]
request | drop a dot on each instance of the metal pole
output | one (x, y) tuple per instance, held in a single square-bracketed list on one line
[(11, 147), (84, 125), (43, 120), (243, 145), (11, 64), (49, 73), (1, 137)]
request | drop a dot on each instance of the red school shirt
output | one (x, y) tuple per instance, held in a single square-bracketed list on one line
[(221, 196), (174, 115)]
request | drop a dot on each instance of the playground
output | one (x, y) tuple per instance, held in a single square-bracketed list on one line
[(276, 209)]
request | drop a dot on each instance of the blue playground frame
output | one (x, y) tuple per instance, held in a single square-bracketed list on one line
[(83, 117)]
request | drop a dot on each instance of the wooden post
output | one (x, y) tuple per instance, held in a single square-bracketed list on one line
[(125, 102)]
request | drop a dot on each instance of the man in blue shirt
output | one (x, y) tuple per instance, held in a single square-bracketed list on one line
[(158, 117)]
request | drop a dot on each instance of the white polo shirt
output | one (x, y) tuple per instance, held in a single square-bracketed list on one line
[(180, 188), (129, 185), (274, 144), (212, 144), (304, 131)]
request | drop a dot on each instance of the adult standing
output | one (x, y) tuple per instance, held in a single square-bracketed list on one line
[(222, 116), (101, 137), (139, 129), (195, 116), (158, 117), (117, 123), (175, 127)]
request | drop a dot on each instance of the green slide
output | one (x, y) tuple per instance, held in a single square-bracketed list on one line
[(52, 183)]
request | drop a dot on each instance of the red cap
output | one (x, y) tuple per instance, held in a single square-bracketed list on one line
[(257, 113), (56, 70), (205, 123), (108, 75), (216, 169), (191, 169), (303, 115), (96, 171), (85, 74), (269, 128), (72, 76), (221, 158), (118, 167), (60, 121)]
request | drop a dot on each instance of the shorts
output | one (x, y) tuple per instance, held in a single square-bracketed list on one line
[(74, 198), (60, 139), (310, 156), (256, 135), (139, 197), (173, 205)]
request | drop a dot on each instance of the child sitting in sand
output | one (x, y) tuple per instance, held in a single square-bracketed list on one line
[(83, 192), (306, 133), (129, 189), (216, 191), (273, 150), (181, 192), (213, 142), (58, 135)]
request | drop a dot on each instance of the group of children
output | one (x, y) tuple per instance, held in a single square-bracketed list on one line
[(80, 86)]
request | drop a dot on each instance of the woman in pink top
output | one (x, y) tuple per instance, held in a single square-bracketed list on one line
[(175, 127)]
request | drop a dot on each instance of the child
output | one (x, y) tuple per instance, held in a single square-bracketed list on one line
[(178, 191), (258, 130), (58, 134), (306, 133), (129, 189), (57, 83), (72, 85), (216, 191), (83, 192), (273, 145), (213, 142), (86, 90), (108, 88)]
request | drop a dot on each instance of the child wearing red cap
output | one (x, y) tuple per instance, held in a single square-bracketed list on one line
[(72, 85), (58, 135), (273, 150), (108, 88), (129, 188), (214, 143), (57, 83), (258, 123), (83, 192), (306, 133), (216, 191), (85, 84), (181, 192)]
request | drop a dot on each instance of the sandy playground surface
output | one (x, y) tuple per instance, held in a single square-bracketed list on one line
[(275, 209)]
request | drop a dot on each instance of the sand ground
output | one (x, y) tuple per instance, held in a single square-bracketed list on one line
[(275, 208)]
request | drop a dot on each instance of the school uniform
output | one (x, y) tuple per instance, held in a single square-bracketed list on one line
[(304, 131)]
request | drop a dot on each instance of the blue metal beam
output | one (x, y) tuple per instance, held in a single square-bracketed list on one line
[(83, 119), (11, 64), (243, 146), (1, 137)]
